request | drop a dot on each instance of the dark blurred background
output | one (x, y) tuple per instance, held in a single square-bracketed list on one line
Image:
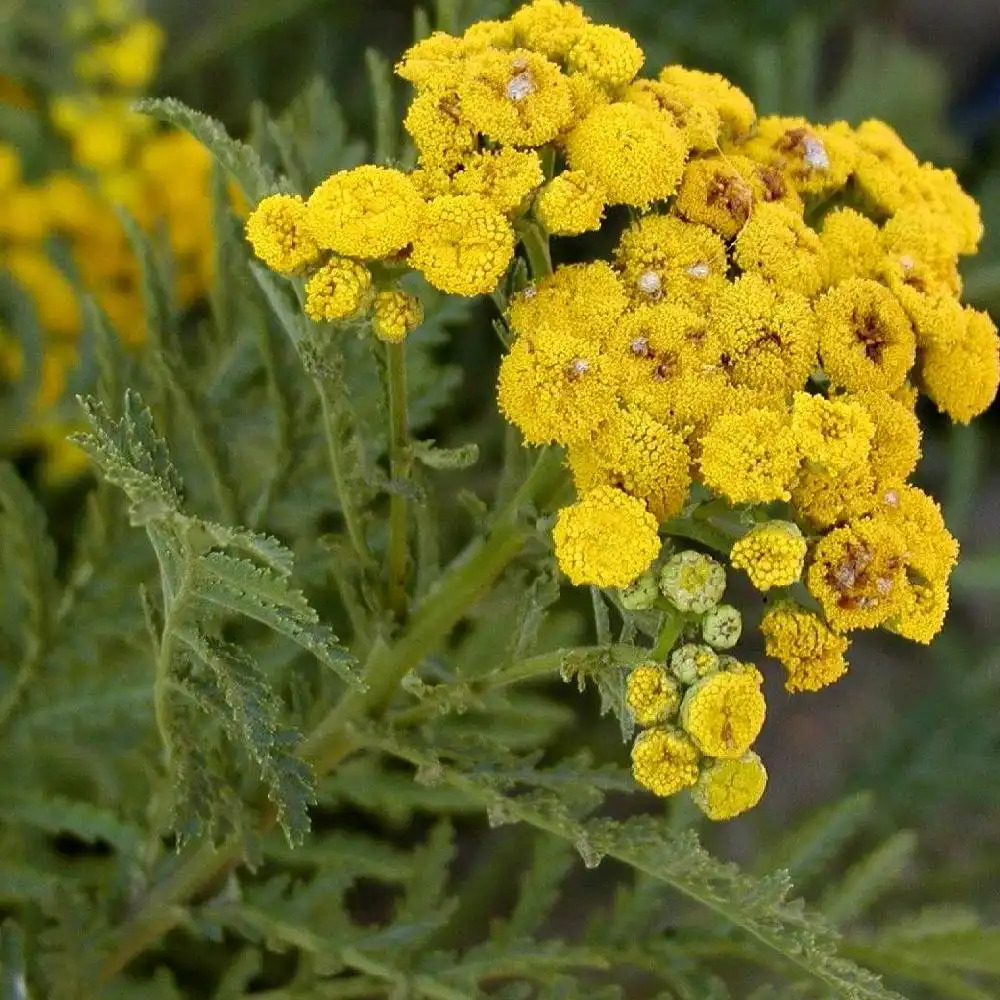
[(920, 727)]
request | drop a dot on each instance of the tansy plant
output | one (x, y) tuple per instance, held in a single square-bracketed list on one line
[(282, 713)]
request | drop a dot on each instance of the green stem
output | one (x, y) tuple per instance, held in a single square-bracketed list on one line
[(352, 518), (670, 629), (469, 577), (536, 248), (399, 470)]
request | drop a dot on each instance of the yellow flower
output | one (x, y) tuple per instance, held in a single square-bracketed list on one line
[(812, 655), (818, 159), (397, 313), (857, 574), (918, 253), (606, 54), (693, 582), (577, 301), (505, 176), (26, 214), (441, 134), (962, 377), (931, 549), (692, 661), (733, 107), (886, 170), (434, 62), (367, 212), (489, 34), (644, 458), (636, 154), (827, 498), (549, 26), (938, 320), (895, 448), (464, 244), (10, 168), (570, 204), (832, 433), (727, 788), (924, 609), (779, 246), (72, 204), (103, 140), (557, 390), (663, 257), (605, 539), (957, 212), (518, 98), (750, 457), (340, 288), (866, 340), (664, 761), (277, 230), (129, 60), (723, 713), (53, 295), (767, 336), (699, 123), (651, 694), (714, 193), (852, 244), (771, 553), (768, 183)]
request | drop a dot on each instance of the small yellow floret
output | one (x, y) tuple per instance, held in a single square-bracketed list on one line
[(771, 554), (129, 60), (692, 581), (699, 123), (727, 788), (608, 55), (549, 26), (857, 574), (435, 123), (636, 154), (723, 713), (518, 98), (895, 448), (570, 204), (605, 539), (931, 549), (922, 616), (779, 246), (866, 339), (664, 761), (367, 212), (800, 641), (340, 288), (651, 694), (397, 313), (852, 244), (733, 107), (714, 193), (750, 457), (641, 456), (556, 390), (831, 433), (277, 231), (827, 498), (962, 377), (767, 336), (464, 244), (505, 176)]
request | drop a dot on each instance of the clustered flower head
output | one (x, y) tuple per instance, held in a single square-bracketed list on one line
[(115, 159), (702, 710), (757, 342)]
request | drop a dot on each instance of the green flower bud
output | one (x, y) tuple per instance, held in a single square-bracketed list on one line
[(693, 582), (693, 661), (641, 594), (721, 626)]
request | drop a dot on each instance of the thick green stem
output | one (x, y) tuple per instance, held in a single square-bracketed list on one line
[(670, 630), (352, 518), (536, 248), (399, 470)]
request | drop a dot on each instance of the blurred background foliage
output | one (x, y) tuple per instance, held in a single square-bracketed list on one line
[(912, 736)]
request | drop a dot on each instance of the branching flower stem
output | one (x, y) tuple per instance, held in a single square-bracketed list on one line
[(399, 469)]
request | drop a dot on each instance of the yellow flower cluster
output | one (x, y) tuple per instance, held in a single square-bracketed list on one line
[(117, 159)]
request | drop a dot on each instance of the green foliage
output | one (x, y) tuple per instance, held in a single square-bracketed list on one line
[(455, 817)]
